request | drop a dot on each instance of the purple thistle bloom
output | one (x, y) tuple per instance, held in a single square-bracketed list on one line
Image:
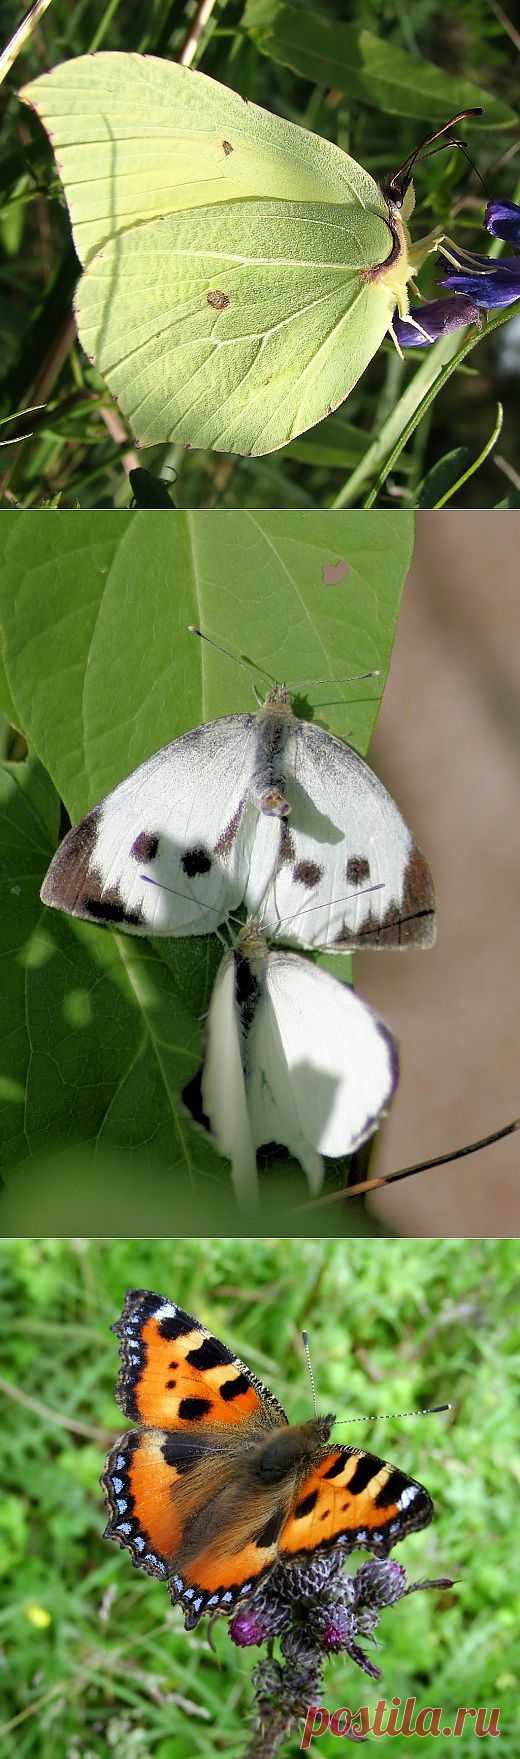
[(436, 317), (503, 220)]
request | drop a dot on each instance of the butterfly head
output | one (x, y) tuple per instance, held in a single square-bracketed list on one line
[(278, 702)]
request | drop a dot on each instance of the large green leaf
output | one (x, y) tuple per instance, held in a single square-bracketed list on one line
[(95, 612), (240, 272), (371, 68), (101, 1031)]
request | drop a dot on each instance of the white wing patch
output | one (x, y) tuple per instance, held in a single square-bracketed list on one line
[(223, 1086), (344, 835), (167, 852), (293, 1056)]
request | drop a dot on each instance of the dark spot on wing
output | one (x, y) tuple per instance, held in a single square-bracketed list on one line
[(110, 907), (179, 1451), (336, 1467), (74, 866), (195, 861), (232, 1389), (307, 873), (362, 1475), (306, 1505), (170, 1384), (228, 836), (357, 870), (218, 299), (418, 906), (392, 1490), (227, 147), (405, 922), (209, 1354), (190, 1410), (175, 1325), (268, 1534), (145, 846)]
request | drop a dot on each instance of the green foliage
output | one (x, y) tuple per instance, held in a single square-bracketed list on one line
[(94, 1659), (393, 75), (101, 1031), (372, 68)]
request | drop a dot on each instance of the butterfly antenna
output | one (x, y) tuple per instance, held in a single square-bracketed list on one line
[(239, 659), (387, 1416), (349, 678), (360, 893), (400, 180), (305, 1338), (421, 1166)]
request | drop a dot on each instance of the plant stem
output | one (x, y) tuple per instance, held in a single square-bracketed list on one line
[(381, 457), (202, 15)]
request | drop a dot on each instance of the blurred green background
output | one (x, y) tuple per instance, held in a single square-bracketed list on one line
[(93, 1659)]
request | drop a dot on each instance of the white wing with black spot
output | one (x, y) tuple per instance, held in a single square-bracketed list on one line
[(344, 837)]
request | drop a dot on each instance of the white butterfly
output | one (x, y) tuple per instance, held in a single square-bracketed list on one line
[(264, 810), (292, 1056)]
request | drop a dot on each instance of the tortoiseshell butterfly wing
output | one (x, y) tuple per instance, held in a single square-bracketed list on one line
[(353, 1498), (216, 1487), (201, 1410)]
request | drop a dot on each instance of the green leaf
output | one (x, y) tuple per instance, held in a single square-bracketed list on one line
[(443, 476), (102, 1031), (95, 612), (511, 500), (366, 67), (334, 442)]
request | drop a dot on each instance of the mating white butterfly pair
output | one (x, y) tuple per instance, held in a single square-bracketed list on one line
[(273, 813)]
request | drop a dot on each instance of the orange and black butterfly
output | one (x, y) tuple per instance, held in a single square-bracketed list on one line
[(215, 1486)]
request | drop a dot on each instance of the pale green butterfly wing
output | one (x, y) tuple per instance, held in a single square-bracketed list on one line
[(237, 347), (134, 137), (236, 325)]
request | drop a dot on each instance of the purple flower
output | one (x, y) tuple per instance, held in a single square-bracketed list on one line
[(338, 1628), (436, 317), (258, 1620), (503, 220), (498, 285)]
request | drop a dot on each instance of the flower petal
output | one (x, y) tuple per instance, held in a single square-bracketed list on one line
[(503, 220), (435, 318), (499, 285)]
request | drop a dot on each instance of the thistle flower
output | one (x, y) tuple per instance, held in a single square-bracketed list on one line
[(316, 1610)]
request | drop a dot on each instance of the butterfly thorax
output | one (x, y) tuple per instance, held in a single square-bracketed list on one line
[(404, 259), (289, 1450)]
